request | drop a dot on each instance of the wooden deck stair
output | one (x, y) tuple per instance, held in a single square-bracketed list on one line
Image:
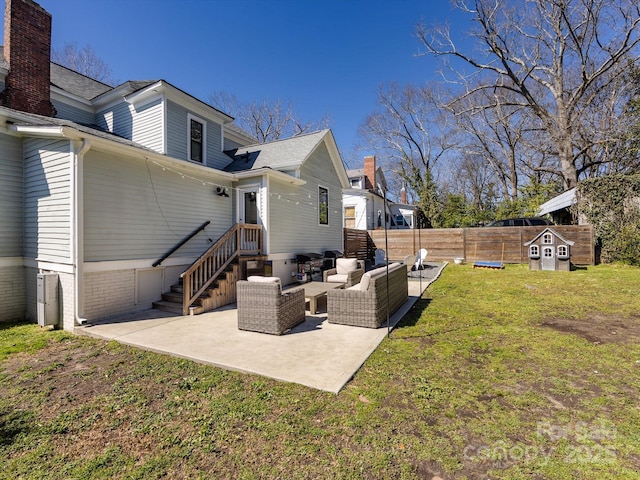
[(221, 292), (210, 281)]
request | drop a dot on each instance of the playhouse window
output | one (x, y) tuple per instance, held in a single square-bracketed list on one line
[(547, 239), (534, 251), (563, 251)]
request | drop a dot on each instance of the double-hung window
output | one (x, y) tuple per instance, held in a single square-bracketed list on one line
[(197, 131)]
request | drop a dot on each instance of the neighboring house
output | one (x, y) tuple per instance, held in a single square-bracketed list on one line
[(97, 183), (364, 202), (560, 208)]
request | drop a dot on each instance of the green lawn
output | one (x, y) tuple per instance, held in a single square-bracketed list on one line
[(494, 374)]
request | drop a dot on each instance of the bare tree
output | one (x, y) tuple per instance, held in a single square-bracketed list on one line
[(264, 120), (412, 134), (85, 61), (558, 59)]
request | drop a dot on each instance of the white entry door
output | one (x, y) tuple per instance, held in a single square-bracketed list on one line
[(548, 260), (248, 209)]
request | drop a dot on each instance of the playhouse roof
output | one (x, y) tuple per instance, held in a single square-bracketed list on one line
[(564, 240)]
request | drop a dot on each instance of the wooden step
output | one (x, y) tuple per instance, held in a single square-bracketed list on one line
[(220, 293), (170, 307)]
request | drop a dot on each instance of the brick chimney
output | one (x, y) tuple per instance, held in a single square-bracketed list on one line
[(370, 173), (403, 195), (27, 50)]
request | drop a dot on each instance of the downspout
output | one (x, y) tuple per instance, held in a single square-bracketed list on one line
[(78, 227)]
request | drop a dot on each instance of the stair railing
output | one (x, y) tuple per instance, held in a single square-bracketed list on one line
[(182, 242), (241, 239)]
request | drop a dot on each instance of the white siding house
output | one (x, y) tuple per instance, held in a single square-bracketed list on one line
[(100, 204)]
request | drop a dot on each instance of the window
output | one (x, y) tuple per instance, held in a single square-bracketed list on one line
[(534, 251), (350, 217), (323, 206), (197, 139), (547, 239), (563, 251)]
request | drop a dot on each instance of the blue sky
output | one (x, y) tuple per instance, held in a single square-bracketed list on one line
[(325, 57)]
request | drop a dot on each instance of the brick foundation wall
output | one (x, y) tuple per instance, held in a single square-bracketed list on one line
[(109, 294), (12, 294)]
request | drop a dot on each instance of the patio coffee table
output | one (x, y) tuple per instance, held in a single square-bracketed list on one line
[(315, 290)]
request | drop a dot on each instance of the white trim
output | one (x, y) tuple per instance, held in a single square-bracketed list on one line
[(11, 262), (275, 174), (144, 96), (49, 266), (70, 99), (165, 121), (202, 122), (240, 191)]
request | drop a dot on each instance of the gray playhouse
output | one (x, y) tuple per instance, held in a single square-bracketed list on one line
[(549, 251)]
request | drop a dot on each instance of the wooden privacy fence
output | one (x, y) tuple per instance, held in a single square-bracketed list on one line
[(472, 244)]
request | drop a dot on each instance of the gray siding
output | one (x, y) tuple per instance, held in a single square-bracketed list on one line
[(143, 124), (177, 137), (47, 197), (148, 125), (74, 114), (136, 210), (11, 196), (117, 119), (293, 218)]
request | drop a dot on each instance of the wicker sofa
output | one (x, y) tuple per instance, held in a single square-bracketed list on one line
[(365, 304), (262, 307), (348, 271)]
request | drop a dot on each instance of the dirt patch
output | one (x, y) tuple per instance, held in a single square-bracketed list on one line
[(599, 329)]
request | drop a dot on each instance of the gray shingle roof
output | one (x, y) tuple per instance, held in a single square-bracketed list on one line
[(76, 83), (279, 154)]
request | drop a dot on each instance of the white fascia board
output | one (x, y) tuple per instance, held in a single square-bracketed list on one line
[(193, 104), (112, 97), (105, 145), (145, 95), (74, 100), (275, 174), (336, 158)]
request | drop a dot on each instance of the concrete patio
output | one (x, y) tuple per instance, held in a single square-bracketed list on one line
[(315, 353)]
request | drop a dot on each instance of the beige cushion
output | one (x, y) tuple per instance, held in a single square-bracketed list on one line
[(346, 265), (354, 287), (364, 281), (338, 278), (259, 279)]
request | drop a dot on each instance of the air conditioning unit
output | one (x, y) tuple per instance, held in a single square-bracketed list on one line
[(47, 297)]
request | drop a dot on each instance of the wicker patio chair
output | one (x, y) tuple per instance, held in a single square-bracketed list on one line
[(262, 307), (348, 271)]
